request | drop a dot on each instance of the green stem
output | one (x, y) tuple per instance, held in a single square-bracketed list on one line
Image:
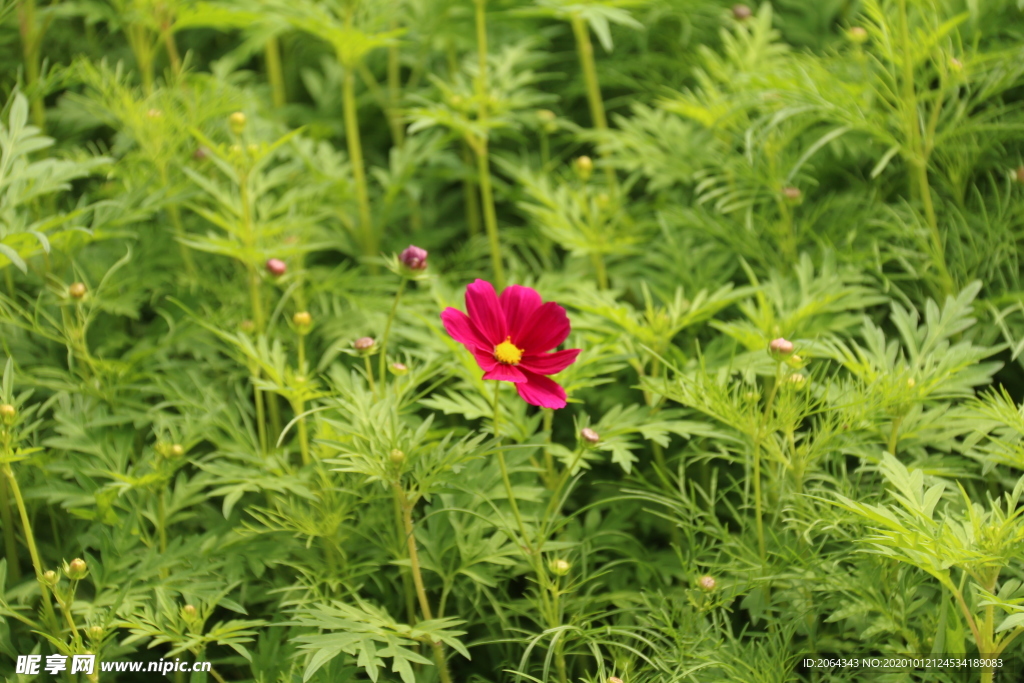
[(10, 539), (417, 578), (31, 39), (275, 72), (394, 82), (355, 153), (161, 520), (600, 271), (179, 230), (299, 408), (471, 197), (894, 434), (30, 540), (480, 147), (387, 332), (369, 376), (586, 56), (407, 584)]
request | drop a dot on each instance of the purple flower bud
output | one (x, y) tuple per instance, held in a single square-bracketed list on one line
[(781, 346), (276, 267), (589, 435), (741, 12), (363, 344), (414, 258)]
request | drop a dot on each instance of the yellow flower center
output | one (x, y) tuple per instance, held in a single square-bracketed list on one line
[(508, 353)]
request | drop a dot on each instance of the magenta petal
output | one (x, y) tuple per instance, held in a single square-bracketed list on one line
[(547, 328), (549, 363), (505, 373), (538, 390), (519, 303), (485, 311), (462, 329), (485, 359)]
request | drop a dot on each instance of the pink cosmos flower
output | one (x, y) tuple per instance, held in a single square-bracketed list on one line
[(510, 336)]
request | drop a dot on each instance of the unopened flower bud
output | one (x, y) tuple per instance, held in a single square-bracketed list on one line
[(399, 368), (200, 153), (955, 65), (780, 347), (559, 567), (545, 115), (77, 569), (253, 149), (457, 101), (614, 679), (247, 326), (77, 290), (276, 267), (50, 577), (364, 344), (414, 258), (188, 611), (793, 195), (707, 583), (589, 435), (7, 413), (857, 35), (911, 382), (1020, 174), (396, 457), (302, 319), (95, 632), (237, 122), (177, 451), (796, 379), (154, 113), (584, 167), (741, 12)]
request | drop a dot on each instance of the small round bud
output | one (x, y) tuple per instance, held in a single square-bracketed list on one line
[(546, 115), (584, 166), (1019, 174), (201, 153), (457, 101), (188, 611), (414, 258), (796, 379), (602, 200), (396, 457), (399, 368), (614, 679), (707, 583), (176, 450), (955, 65), (911, 382), (857, 35), (95, 632), (247, 326), (276, 267), (253, 149), (302, 319), (154, 113), (50, 577), (77, 290), (589, 435), (7, 412), (77, 569), (792, 195), (780, 347), (235, 150), (559, 567), (364, 344), (741, 12), (237, 122)]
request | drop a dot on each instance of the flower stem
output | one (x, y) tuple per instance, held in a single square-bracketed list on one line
[(586, 56), (31, 39), (10, 539), (394, 82), (275, 73), (471, 196), (369, 376), (387, 332), (30, 541), (355, 153), (417, 578), (480, 147), (161, 520), (256, 302)]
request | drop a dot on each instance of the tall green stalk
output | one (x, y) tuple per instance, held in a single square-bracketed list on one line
[(586, 55), (355, 153), (387, 333), (256, 303), (275, 72), (10, 539), (480, 147), (31, 41)]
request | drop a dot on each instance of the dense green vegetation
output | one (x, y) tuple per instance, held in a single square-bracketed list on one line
[(235, 426)]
